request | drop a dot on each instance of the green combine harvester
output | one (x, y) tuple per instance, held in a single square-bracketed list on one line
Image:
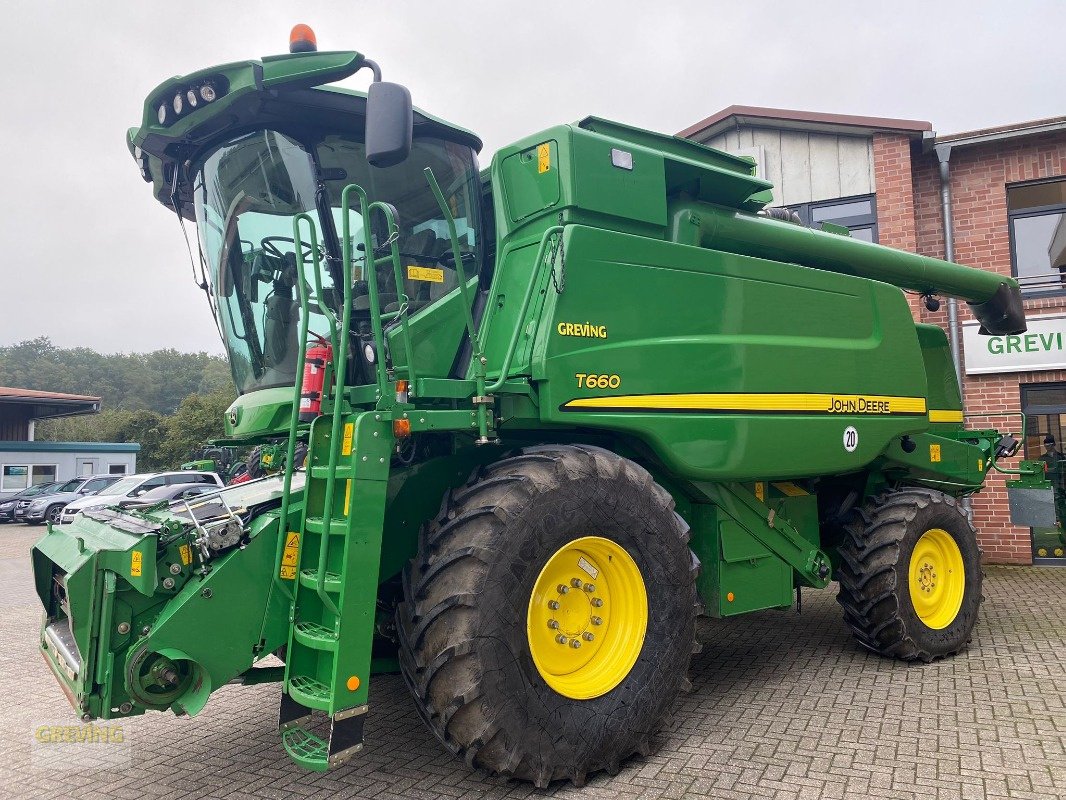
[(554, 411)]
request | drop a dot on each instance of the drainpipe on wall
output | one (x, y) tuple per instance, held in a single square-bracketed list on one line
[(943, 155)]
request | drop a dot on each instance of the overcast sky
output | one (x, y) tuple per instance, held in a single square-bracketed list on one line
[(90, 259)]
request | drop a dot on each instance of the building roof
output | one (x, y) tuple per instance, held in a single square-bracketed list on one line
[(1033, 127), (46, 405), (8, 391), (69, 447), (846, 124)]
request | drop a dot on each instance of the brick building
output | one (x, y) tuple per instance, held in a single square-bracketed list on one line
[(993, 199)]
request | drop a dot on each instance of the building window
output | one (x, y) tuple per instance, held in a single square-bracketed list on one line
[(116, 469), (857, 214), (16, 477), (1044, 406), (1036, 216)]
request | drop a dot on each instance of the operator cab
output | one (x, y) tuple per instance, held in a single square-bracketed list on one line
[(248, 192), (244, 149)]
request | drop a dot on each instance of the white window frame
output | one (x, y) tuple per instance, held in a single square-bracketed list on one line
[(4, 487), (30, 469)]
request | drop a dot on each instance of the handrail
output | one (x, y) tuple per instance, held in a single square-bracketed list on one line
[(393, 230), (298, 389), (512, 346), (464, 291), (371, 274)]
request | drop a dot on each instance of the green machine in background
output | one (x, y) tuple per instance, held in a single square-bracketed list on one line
[(553, 410)]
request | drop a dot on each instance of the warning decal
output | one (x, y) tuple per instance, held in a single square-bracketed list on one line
[(135, 564), (425, 274), (544, 157), (290, 556)]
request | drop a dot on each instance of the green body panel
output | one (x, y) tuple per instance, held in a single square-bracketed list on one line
[(747, 338), (260, 414), (635, 299)]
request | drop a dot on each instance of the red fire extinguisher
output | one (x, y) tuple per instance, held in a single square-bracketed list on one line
[(318, 356)]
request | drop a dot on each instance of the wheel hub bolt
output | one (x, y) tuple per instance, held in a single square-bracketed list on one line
[(588, 636), (575, 643), (553, 604), (596, 602), (590, 587), (560, 639), (563, 589), (597, 621), (576, 583), (553, 624)]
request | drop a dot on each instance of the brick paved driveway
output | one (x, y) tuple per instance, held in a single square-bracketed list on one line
[(783, 706)]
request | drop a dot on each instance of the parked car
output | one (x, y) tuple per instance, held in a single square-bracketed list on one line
[(48, 506), (135, 486), (7, 504), (179, 491)]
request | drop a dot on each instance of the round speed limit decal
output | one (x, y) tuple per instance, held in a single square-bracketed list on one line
[(851, 439)]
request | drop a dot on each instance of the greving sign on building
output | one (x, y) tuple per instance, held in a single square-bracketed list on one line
[(1042, 346)]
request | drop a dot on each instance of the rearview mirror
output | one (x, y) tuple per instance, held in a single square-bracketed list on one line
[(389, 124)]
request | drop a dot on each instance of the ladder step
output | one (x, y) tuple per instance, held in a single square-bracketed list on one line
[(306, 691), (306, 749), (309, 578), (337, 526), (341, 473), (315, 636)]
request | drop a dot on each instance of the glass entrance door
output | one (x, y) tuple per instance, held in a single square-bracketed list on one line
[(1045, 419)]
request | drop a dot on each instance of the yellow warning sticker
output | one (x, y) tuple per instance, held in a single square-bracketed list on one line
[(135, 564), (347, 495), (290, 556), (186, 554), (934, 452), (346, 442), (425, 274), (544, 157), (760, 491)]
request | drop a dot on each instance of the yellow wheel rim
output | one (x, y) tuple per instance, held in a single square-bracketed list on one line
[(937, 578), (587, 617)]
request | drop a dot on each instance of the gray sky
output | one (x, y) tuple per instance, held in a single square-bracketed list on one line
[(91, 260)]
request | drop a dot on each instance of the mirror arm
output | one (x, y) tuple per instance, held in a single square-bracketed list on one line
[(373, 68)]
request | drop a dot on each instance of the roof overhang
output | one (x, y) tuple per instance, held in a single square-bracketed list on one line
[(1018, 130), (48, 405), (786, 119)]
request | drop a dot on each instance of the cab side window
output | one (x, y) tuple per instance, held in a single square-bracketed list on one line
[(148, 485)]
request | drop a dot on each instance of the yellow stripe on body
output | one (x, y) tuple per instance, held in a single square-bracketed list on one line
[(942, 415), (782, 403)]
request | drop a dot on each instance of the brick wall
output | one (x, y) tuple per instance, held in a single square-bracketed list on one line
[(909, 218)]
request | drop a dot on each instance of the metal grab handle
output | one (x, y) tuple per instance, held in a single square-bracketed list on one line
[(512, 346)]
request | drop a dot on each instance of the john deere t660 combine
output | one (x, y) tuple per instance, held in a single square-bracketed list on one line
[(554, 411)]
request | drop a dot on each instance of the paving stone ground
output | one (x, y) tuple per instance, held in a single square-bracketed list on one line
[(783, 706)]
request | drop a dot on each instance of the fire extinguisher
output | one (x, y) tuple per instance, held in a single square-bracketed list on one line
[(318, 356)]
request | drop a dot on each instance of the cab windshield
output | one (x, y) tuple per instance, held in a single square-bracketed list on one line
[(250, 189)]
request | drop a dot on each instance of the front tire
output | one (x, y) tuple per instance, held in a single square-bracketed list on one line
[(910, 575), (500, 685)]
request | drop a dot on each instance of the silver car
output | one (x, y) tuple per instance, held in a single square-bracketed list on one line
[(49, 507)]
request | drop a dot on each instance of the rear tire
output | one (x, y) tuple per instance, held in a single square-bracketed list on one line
[(469, 622), (910, 575)]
